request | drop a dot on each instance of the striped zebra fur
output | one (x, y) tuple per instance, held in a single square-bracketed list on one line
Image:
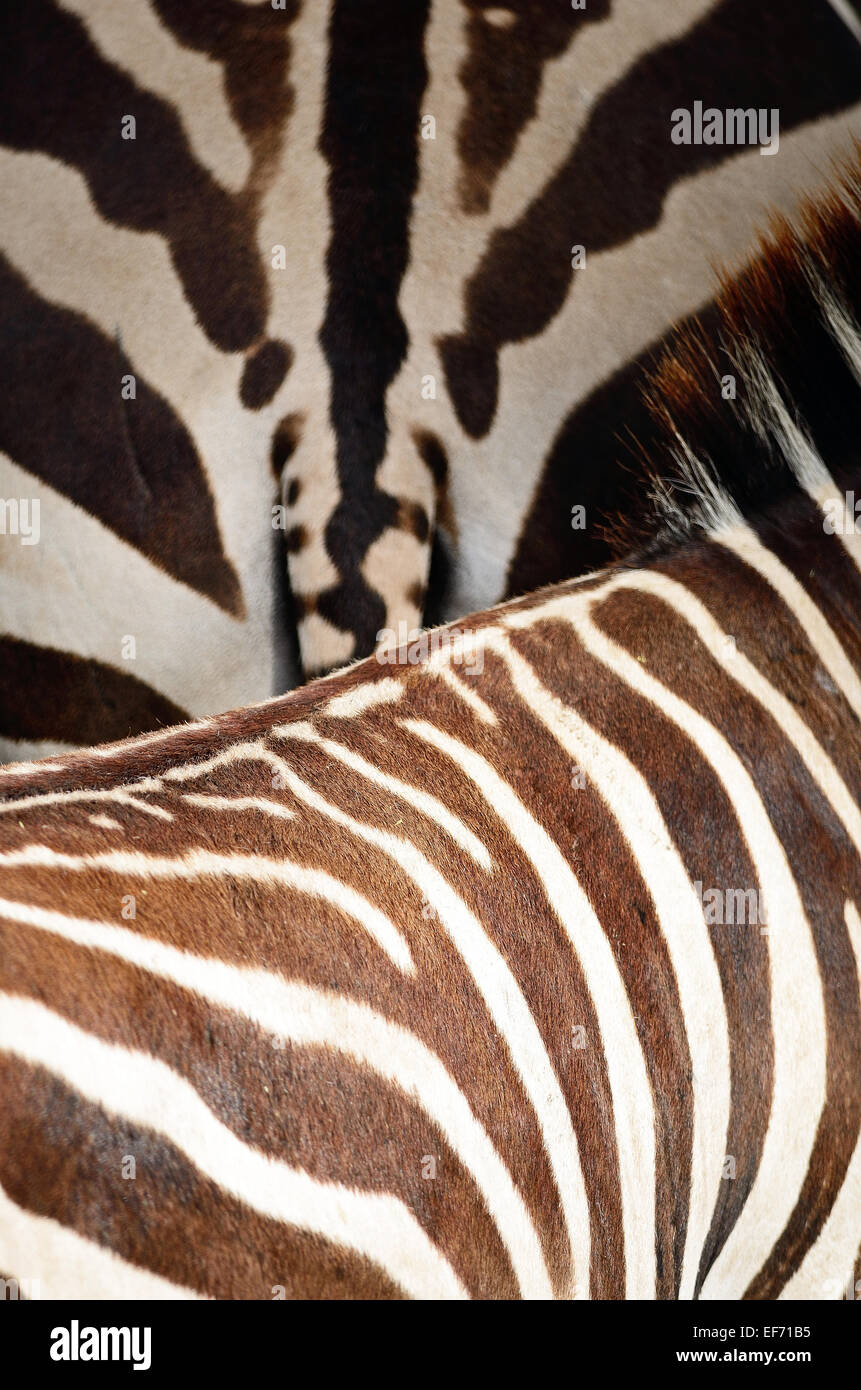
[(412, 982), (407, 259)]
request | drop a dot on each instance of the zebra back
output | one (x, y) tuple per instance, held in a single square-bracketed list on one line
[(358, 292)]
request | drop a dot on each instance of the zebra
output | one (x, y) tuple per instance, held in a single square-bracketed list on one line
[(523, 961), (295, 347)]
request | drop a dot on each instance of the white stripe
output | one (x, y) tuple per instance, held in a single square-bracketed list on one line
[(844, 9), (828, 1267), (233, 753), (804, 461), (67, 1265), (463, 691), (745, 543), (21, 769), (106, 751), (125, 795), (751, 679), (191, 83), (429, 806), (797, 1007), (128, 792), (143, 1091), (510, 1013), (239, 803), (633, 806), (198, 863), (362, 698), (633, 1110), (308, 1017)]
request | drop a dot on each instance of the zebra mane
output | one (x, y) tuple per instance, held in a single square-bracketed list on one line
[(759, 398)]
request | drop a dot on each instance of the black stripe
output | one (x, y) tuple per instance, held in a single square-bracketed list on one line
[(59, 95), (129, 463), (745, 53), (252, 43), (590, 464), (50, 694), (377, 75), (501, 77)]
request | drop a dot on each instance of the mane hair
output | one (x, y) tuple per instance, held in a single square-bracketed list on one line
[(786, 329)]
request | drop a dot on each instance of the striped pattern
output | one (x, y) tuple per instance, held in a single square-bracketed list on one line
[(526, 963), (422, 377), (381, 932)]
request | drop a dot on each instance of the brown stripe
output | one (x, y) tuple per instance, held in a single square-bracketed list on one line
[(622, 901), (503, 902), (288, 433), (245, 922), (434, 603), (264, 372), (315, 943), (741, 602), (310, 1108), (824, 867), (706, 833), (513, 907), (827, 574), (253, 45), (170, 1219)]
